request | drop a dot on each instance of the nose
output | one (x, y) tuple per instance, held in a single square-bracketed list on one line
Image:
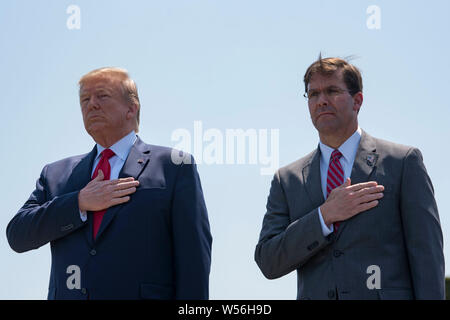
[(322, 99), (92, 103)]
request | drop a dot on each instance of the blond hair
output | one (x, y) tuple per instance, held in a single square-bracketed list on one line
[(128, 86)]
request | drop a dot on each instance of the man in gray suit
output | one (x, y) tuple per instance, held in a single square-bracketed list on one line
[(357, 216)]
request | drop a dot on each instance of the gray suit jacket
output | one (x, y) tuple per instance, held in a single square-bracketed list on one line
[(402, 235)]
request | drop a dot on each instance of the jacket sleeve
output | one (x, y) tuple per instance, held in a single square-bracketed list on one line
[(41, 220), (422, 229), (286, 245), (191, 235)]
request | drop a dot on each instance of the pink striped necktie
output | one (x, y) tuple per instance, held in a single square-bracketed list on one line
[(335, 176)]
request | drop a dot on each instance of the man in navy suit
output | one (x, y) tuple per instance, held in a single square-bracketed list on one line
[(124, 221)]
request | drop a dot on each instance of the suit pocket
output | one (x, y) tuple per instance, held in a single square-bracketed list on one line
[(395, 294), (156, 291), (150, 187), (151, 183)]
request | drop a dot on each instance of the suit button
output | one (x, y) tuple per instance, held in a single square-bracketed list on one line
[(331, 294), (83, 290), (337, 253), (93, 252)]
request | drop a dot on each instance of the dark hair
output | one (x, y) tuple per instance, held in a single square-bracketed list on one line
[(328, 66)]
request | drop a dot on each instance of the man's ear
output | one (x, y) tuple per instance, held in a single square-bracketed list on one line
[(132, 111), (357, 101)]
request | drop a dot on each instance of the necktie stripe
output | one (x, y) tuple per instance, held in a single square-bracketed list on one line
[(335, 176), (330, 186), (337, 166)]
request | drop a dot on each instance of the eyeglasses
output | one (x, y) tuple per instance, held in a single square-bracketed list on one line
[(330, 92)]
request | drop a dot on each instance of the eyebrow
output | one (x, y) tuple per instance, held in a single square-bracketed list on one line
[(99, 90), (329, 87)]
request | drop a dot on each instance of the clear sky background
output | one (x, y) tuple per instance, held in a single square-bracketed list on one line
[(232, 65)]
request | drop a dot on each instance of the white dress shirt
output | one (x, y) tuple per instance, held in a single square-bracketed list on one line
[(121, 150), (348, 150)]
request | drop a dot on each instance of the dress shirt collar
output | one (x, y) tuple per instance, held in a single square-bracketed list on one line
[(122, 147), (348, 148)]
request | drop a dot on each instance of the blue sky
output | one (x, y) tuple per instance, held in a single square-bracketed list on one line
[(231, 65)]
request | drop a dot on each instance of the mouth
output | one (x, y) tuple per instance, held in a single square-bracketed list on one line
[(324, 114), (94, 117)]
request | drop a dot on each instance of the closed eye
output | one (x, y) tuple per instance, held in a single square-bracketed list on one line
[(333, 91), (313, 94)]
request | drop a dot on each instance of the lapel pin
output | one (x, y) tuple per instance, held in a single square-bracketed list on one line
[(371, 160), (140, 160)]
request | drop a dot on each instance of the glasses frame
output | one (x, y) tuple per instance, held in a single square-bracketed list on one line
[(340, 91)]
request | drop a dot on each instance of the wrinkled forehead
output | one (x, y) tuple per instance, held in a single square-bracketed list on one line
[(99, 82), (323, 80)]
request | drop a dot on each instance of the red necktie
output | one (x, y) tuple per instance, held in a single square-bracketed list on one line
[(335, 176), (104, 165)]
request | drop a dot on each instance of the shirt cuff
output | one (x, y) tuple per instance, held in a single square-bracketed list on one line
[(83, 216), (325, 230)]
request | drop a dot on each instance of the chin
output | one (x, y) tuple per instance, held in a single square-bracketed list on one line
[(95, 128), (325, 124), (326, 128)]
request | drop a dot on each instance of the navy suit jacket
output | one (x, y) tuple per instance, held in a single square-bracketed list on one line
[(156, 246)]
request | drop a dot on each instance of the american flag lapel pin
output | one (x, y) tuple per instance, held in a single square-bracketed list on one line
[(370, 160)]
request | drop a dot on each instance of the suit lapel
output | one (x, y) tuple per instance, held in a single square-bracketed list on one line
[(135, 163), (365, 160), (80, 177), (365, 163), (311, 177)]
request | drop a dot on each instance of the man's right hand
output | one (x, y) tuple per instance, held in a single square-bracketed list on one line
[(101, 194), (348, 200)]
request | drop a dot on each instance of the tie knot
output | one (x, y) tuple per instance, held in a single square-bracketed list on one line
[(107, 153), (336, 155)]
